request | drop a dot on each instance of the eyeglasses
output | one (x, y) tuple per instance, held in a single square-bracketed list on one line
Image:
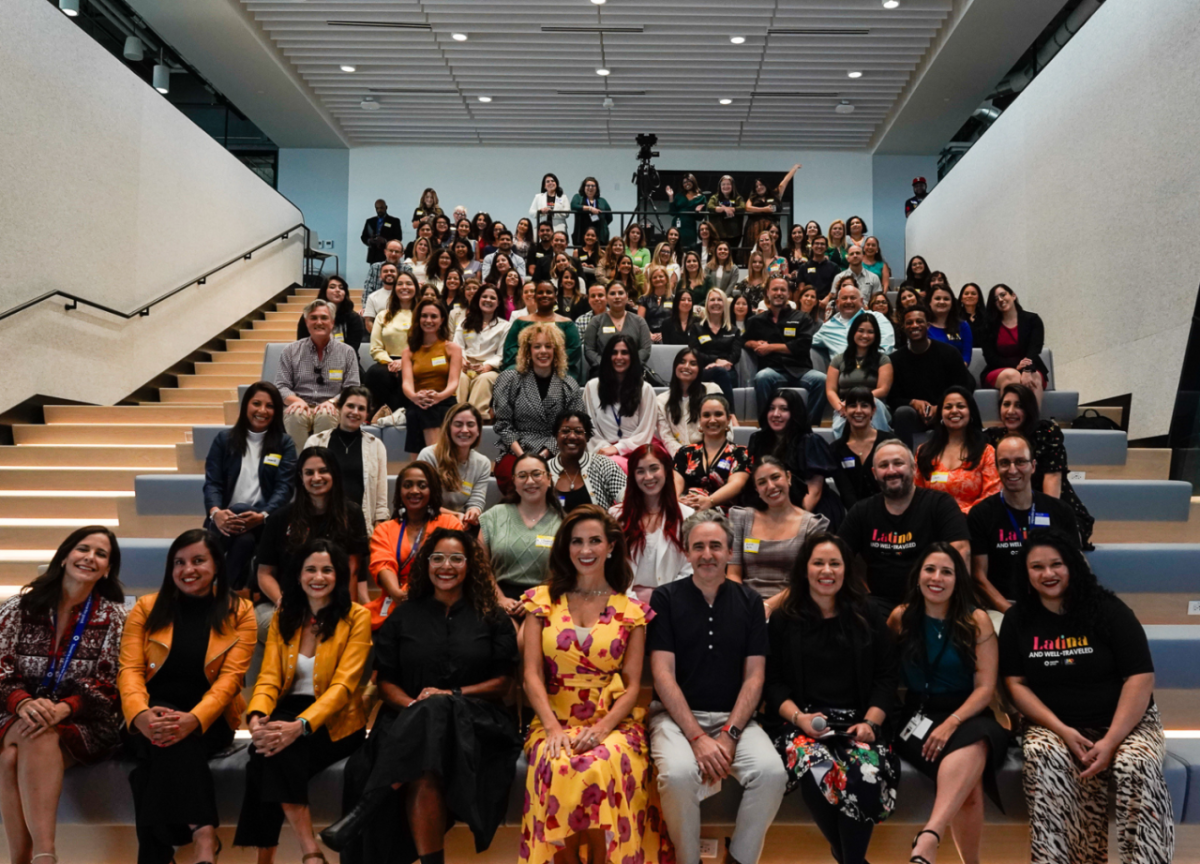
[(1005, 464), (437, 559), (530, 475), (570, 432)]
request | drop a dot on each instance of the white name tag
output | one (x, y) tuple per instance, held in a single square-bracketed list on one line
[(670, 304), (939, 477), (335, 374), (338, 337), (750, 545), (849, 462), (1041, 519), (917, 727), (608, 329), (544, 542), (789, 331), (273, 459), (438, 361)]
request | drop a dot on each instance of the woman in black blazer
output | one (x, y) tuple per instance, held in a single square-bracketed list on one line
[(236, 511), (348, 325), (1012, 344), (833, 657)]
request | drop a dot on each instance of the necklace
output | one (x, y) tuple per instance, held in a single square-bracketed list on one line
[(580, 593), (571, 478), (338, 438)]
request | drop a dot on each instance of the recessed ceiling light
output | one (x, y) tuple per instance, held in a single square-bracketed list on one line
[(853, 74), (737, 40), (891, 4), (459, 37), (348, 68), (602, 71), (485, 98), (70, 8), (725, 101)]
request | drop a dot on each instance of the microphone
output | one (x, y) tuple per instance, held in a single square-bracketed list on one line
[(818, 724)]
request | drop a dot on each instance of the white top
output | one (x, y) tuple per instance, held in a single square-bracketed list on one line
[(247, 490), (376, 303), (418, 271), (557, 218), (661, 561), (302, 684), (687, 431), (457, 314), (626, 433), (486, 346)]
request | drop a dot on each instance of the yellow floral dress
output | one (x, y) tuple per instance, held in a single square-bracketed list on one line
[(609, 787)]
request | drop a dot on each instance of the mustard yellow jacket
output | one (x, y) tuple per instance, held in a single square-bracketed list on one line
[(337, 674), (225, 664)]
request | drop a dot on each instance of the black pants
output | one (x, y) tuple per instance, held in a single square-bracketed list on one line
[(385, 387), (848, 838), (283, 778), (239, 552), (173, 790), (907, 423), (724, 378)]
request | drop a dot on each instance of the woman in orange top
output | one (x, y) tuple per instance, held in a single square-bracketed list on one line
[(307, 710), (417, 513), (429, 370), (958, 458), (184, 654)]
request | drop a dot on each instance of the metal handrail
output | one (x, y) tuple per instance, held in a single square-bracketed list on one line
[(143, 311)]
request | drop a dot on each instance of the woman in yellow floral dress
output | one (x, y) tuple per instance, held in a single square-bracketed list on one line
[(589, 782)]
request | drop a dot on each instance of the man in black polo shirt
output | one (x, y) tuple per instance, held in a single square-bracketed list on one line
[(543, 247), (921, 373), (819, 271), (708, 652), (1000, 523), (781, 340), (890, 530)]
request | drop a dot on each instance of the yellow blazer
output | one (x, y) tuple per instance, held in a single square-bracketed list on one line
[(337, 673), (225, 664)]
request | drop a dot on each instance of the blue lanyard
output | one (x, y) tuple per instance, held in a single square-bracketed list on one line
[(617, 417), (1024, 532), (416, 547), (76, 637)]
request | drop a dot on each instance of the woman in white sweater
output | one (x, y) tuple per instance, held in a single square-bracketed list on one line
[(620, 403), (481, 337), (551, 204)]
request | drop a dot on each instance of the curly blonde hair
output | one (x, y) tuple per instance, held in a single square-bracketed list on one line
[(525, 347)]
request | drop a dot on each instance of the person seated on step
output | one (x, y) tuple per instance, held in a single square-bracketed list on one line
[(348, 325), (393, 254), (922, 372), (247, 476), (389, 338), (58, 697), (373, 307), (307, 710), (361, 456), (312, 372)]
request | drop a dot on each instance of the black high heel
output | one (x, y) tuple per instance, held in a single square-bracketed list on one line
[(340, 834), (919, 859)]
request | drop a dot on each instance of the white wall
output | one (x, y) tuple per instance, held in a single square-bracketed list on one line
[(111, 193), (1083, 197), (503, 180)]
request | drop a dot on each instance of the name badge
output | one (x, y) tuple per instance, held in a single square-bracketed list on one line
[(273, 459), (789, 331), (608, 329), (704, 339), (849, 462), (438, 361), (338, 337), (669, 304), (335, 374), (544, 541), (1042, 519), (917, 727), (940, 477), (812, 269), (387, 604), (750, 545)]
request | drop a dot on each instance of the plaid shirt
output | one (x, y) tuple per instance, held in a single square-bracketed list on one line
[(314, 381), (374, 283), (582, 321)]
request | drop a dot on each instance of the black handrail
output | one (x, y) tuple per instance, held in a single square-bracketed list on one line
[(143, 311)]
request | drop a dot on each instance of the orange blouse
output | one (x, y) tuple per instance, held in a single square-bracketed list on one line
[(968, 486)]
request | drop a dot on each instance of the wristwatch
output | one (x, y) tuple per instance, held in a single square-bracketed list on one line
[(457, 691), (305, 729), (732, 731), (874, 727)]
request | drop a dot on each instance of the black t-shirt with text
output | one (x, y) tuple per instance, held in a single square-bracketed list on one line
[(1077, 673), (891, 544), (998, 531)]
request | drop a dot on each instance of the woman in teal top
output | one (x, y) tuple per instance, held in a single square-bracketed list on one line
[(873, 261), (591, 211), (949, 661), (635, 246)]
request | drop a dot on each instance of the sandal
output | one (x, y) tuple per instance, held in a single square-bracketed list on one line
[(314, 856), (44, 855), (918, 859)]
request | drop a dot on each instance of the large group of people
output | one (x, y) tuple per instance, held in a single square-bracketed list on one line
[(780, 596)]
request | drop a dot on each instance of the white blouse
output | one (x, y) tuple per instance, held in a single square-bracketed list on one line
[(557, 217), (486, 346), (625, 433), (661, 561), (687, 431)]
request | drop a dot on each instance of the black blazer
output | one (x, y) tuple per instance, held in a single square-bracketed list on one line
[(391, 230), (876, 666), (1031, 339), (352, 327), (222, 467)]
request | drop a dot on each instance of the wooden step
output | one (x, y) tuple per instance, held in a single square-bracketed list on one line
[(236, 358), (253, 347), (197, 395), (155, 414), (281, 314), (210, 382), (103, 479), (101, 433), (239, 367), (1161, 608), (288, 327), (89, 456), (90, 506), (1151, 532), (262, 337), (1140, 464), (133, 524), (46, 536)]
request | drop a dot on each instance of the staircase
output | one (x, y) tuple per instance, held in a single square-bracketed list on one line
[(77, 468)]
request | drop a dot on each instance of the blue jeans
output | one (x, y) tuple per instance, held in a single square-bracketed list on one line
[(724, 378), (812, 382)]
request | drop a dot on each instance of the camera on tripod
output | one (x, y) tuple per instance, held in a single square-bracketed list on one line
[(646, 149)]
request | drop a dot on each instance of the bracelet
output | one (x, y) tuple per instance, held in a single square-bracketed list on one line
[(795, 714), (698, 737), (956, 717)]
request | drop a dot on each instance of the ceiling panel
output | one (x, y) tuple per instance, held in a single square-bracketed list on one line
[(671, 61)]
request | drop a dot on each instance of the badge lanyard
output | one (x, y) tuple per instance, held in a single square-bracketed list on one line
[(617, 417), (416, 546), (76, 637)]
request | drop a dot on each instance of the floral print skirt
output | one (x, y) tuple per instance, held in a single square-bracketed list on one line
[(860, 781)]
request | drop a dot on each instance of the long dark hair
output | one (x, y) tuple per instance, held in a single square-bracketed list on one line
[(869, 361), (484, 236), (920, 284), (224, 602), (695, 392), (617, 571), (964, 632), (1029, 408), (626, 392), (293, 605), (473, 322), (851, 601), (304, 517), (1084, 595), (973, 436), (954, 316), (992, 314), (43, 594), (346, 307), (478, 588), (493, 275), (783, 446), (633, 508), (275, 430), (759, 503)]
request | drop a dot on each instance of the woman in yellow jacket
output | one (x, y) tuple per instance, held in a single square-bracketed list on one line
[(184, 654), (307, 712)]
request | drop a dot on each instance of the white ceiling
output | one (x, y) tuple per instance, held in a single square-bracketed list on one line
[(665, 79)]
